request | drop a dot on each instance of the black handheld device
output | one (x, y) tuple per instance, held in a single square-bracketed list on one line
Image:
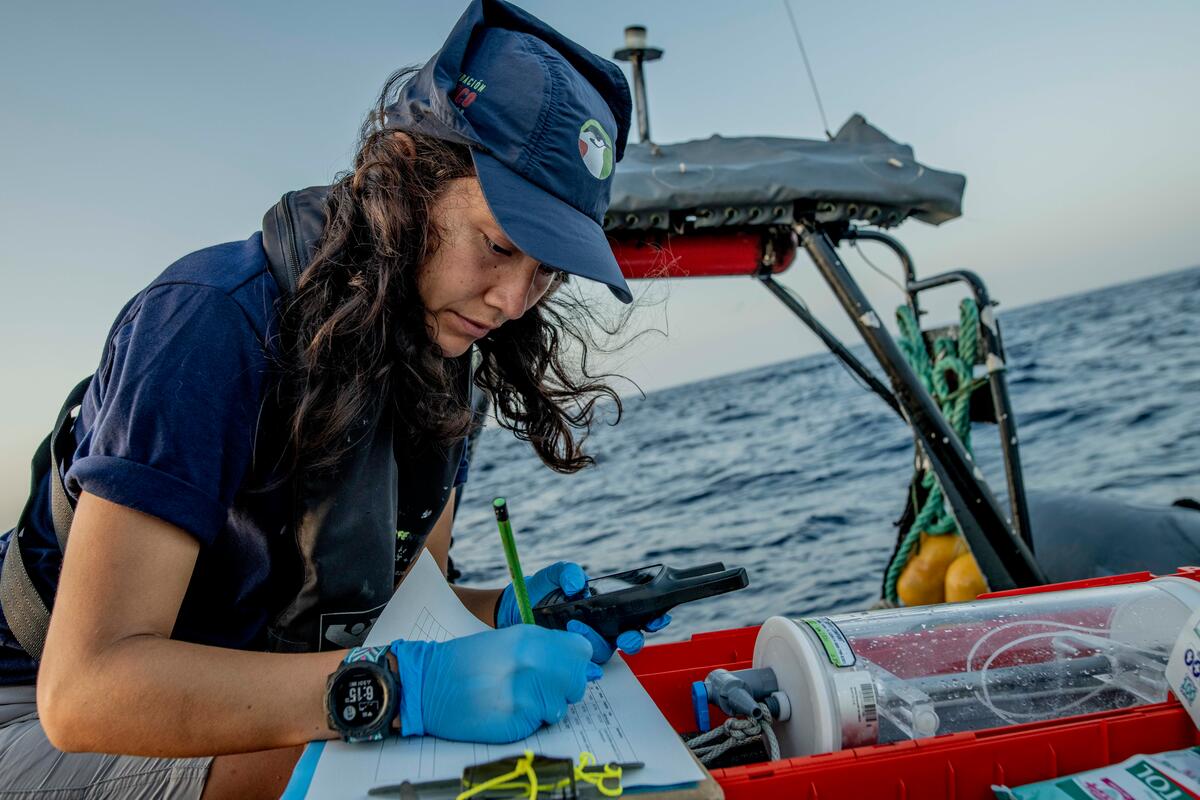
[(629, 600)]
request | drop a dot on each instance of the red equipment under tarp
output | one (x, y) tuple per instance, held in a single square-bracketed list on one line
[(650, 254)]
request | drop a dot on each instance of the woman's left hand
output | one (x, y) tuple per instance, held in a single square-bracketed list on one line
[(570, 577)]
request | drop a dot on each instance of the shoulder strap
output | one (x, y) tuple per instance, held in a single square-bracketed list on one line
[(62, 445), (291, 229), (26, 611)]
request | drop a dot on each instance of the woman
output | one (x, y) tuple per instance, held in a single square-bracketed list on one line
[(276, 429)]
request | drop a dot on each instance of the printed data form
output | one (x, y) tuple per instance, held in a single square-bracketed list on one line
[(616, 720)]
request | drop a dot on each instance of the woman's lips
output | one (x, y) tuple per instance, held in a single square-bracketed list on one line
[(471, 327)]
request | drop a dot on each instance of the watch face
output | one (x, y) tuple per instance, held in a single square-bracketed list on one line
[(359, 698)]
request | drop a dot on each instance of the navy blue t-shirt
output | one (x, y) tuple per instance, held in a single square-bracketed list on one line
[(178, 423)]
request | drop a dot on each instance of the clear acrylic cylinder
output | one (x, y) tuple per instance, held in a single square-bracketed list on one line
[(907, 673)]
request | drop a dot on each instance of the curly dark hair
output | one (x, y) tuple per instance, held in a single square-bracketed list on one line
[(354, 337)]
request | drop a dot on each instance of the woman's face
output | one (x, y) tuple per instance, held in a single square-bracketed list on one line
[(477, 280)]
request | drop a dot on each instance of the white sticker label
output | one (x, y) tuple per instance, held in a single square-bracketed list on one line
[(1183, 668), (840, 653), (858, 706)]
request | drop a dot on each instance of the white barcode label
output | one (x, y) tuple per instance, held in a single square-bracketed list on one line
[(857, 706), (868, 693)]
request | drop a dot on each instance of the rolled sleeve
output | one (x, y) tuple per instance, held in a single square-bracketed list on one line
[(172, 435), (152, 491)]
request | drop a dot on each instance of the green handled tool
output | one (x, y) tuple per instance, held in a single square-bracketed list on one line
[(514, 562)]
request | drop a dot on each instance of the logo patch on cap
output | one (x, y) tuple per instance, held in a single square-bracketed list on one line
[(467, 90), (596, 149)]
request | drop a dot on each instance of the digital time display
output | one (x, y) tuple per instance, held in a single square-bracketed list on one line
[(360, 698)]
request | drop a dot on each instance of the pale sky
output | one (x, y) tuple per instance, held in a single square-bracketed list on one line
[(132, 133)]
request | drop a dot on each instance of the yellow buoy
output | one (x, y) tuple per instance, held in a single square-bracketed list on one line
[(964, 581), (923, 580)]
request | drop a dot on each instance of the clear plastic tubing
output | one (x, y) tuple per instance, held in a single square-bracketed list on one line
[(907, 673)]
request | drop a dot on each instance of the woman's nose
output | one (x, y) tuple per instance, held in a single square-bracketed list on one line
[(515, 290)]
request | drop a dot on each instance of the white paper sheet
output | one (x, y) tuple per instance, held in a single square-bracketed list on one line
[(424, 607), (617, 720)]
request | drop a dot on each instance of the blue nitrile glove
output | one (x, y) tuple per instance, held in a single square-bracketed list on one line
[(494, 687), (570, 577)]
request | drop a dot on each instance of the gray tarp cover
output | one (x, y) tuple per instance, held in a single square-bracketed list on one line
[(861, 164)]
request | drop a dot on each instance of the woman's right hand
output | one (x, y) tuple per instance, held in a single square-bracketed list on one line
[(497, 686)]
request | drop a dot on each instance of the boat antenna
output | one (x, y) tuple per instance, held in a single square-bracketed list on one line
[(636, 52), (808, 67)]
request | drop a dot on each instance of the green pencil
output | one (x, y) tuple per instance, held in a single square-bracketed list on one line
[(514, 562)]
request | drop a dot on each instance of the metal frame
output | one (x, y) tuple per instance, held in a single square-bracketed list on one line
[(1005, 419), (1001, 548), (994, 360), (829, 340)]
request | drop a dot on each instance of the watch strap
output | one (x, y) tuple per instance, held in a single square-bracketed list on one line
[(376, 654)]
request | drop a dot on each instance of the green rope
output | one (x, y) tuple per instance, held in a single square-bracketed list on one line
[(948, 359)]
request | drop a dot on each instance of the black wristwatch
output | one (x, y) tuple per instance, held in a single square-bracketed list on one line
[(362, 696)]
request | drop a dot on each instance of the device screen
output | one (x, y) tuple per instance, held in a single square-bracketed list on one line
[(359, 697), (626, 580)]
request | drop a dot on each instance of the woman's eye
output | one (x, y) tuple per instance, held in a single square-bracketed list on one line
[(495, 248)]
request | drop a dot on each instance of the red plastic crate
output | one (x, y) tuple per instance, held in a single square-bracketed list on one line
[(958, 766)]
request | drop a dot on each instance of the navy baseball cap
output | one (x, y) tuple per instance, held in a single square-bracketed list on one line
[(546, 121)]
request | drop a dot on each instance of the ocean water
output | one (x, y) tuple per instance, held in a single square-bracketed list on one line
[(796, 473)]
